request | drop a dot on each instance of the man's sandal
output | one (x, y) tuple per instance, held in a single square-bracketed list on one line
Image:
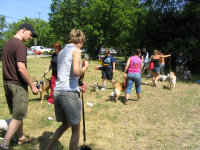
[(27, 139), (9, 148)]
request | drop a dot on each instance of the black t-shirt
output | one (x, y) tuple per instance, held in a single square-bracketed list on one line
[(54, 63), (182, 59), (14, 51)]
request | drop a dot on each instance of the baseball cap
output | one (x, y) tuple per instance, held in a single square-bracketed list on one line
[(144, 49), (28, 27)]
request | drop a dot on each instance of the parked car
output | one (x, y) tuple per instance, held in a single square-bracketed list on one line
[(29, 52), (102, 51), (37, 52), (44, 50), (83, 51)]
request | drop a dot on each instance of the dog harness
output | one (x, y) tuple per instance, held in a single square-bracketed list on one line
[(39, 84)]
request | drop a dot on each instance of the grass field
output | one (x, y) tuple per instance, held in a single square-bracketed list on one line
[(164, 119)]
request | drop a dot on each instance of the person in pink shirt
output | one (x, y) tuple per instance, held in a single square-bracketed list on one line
[(133, 65)]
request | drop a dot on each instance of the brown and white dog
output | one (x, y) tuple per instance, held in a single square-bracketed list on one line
[(118, 88), (172, 80), (42, 86)]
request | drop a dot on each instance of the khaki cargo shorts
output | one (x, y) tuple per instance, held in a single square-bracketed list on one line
[(17, 99), (179, 69)]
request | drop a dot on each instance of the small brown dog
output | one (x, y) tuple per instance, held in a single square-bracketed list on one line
[(118, 88), (42, 86), (172, 80)]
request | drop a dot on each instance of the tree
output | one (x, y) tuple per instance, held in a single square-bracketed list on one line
[(2, 27), (46, 37)]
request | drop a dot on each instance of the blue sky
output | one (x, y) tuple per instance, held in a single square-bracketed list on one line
[(20, 9)]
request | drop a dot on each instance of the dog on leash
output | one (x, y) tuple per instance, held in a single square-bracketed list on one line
[(42, 87), (172, 80), (163, 77), (118, 88), (4, 127)]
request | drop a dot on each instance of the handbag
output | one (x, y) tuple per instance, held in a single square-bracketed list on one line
[(151, 65)]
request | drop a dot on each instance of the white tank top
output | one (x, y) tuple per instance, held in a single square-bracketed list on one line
[(66, 80), (146, 59)]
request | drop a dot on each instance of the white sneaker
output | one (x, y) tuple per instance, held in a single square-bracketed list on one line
[(103, 89), (148, 75), (155, 83)]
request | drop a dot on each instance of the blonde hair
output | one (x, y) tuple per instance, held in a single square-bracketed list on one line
[(107, 51), (155, 52), (76, 36)]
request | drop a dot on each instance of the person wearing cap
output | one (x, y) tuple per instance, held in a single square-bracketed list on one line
[(16, 80), (108, 64)]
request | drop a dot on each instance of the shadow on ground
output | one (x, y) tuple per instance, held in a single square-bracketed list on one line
[(44, 140), (120, 99)]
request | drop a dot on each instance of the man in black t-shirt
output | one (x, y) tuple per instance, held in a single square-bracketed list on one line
[(16, 80)]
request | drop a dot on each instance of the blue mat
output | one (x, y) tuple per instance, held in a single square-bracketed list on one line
[(198, 81)]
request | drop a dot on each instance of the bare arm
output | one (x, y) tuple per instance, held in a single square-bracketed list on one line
[(185, 62), (77, 70), (50, 67), (151, 58), (126, 67), (25, 76), (164, 56)]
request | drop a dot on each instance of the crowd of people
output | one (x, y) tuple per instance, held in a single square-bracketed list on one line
[(65, 81)]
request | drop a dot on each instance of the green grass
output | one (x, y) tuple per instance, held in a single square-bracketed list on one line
[(164, 119)]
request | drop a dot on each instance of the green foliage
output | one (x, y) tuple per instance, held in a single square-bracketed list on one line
[(45, 32), (170, 26)]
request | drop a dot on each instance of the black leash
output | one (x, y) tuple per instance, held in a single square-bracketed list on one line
[(84, 147), (84, 134)]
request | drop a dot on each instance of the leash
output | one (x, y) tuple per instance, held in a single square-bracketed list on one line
[(38, 87), (170, 63), (84, 134), (83, 111)]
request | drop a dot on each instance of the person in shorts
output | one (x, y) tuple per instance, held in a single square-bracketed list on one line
[(108, 69), (16, 80), (156, 69), (67, 103), (180, 61)]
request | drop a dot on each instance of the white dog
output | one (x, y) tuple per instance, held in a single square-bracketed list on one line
[(95, 87), (4, 127), (163, 77)]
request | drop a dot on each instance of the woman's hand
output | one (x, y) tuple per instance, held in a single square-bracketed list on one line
[(83, 87), (124, 74), (46, 72)]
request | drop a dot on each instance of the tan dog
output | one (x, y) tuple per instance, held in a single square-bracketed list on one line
[(118, 88), (172, 80), (42, 86)]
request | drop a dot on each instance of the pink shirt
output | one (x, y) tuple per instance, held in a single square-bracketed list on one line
[(135, 63)]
